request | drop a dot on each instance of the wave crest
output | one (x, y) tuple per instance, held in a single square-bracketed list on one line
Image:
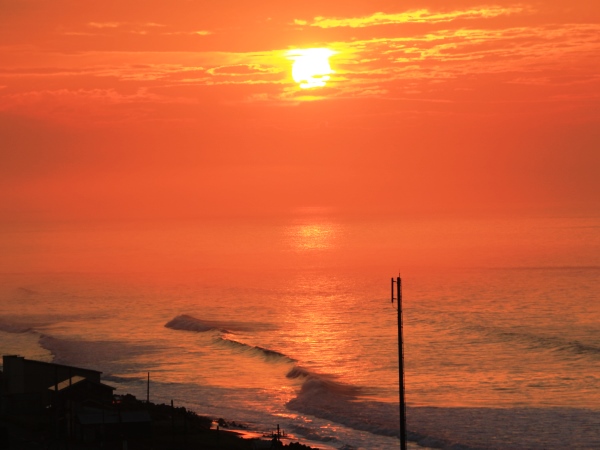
[(262, 351), (185, 322)]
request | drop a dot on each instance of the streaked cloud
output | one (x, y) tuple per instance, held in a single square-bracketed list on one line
[(105, 24), (124, 24), (427, 67), (241, 70), (414, 16), (80, 96), (90, 106), (142, 30), (548, 53), (189, 33)]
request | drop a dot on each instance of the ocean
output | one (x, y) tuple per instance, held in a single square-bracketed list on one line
[(288, 321)]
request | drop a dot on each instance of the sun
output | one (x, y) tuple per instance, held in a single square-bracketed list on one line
[(311, 68)]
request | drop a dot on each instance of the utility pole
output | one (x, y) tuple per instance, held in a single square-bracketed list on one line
[(398, 297)]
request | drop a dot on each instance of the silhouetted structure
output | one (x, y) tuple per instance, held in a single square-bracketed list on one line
[(28, 385), (70, 403)]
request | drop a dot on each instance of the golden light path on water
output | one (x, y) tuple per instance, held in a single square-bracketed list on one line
[(312, 236)]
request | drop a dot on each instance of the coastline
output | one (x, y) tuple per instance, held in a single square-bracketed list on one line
[(171, 428)]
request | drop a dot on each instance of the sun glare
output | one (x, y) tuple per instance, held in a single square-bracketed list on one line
[(311, 68)]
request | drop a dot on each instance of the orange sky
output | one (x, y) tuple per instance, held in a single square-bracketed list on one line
[(154, 109)]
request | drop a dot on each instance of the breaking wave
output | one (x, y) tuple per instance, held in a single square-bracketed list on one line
[(265, 352), (460, 428), (188, 323), (316, 384), (185, 322), (324, 397)]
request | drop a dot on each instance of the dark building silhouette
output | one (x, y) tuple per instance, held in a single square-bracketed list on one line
[(28, 385), (71, 402)]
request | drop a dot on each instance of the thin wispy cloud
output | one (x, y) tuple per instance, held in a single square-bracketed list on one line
[(125, 24), (189, 33), (429, 64), (105, 24), (415, 16)]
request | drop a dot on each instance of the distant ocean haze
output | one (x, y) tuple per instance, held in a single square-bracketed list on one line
[(307, 239)]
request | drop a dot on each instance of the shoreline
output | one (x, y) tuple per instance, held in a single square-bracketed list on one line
[(169, 428)]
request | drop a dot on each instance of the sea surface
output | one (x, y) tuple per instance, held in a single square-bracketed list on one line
[(288, 321)]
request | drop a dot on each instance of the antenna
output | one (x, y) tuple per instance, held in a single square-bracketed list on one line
[(398, 282)]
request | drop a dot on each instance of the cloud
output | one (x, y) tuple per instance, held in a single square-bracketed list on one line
[(415, 16), (437, 65), (427, 66), (123, 72), (240, 70), (513, 47), (105, 24), (189, 33), (64, 96), (102, 28), (124, 24), (88, 105)]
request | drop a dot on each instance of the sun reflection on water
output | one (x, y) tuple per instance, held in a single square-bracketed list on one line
[(312, 229), (313, 236)]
